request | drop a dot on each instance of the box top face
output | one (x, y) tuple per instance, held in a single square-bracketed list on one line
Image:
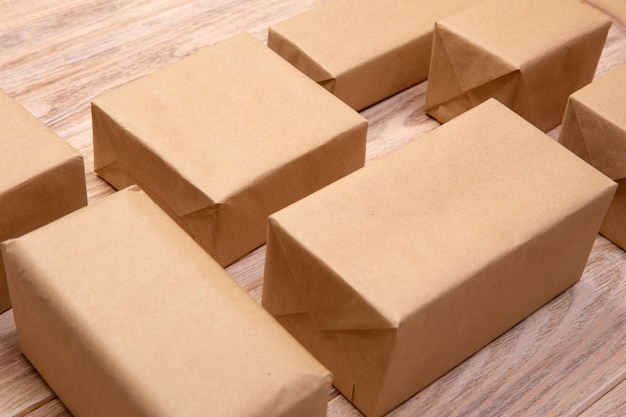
[(521, 30), (138, 290), (340, 34), (607, 97), (410, 227), (27, 146), (228, 115)]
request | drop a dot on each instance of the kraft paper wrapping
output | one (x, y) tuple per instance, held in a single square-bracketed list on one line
[(594, 128), (529, 54), (397, 273), (224, 138), (363, 51), (42, 178), (614, 8), (128, 316)]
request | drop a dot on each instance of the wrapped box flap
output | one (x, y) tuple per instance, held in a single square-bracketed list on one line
[(464, 65), (333, 304)]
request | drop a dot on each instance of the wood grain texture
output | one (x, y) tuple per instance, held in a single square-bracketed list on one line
[(54, 408), (613, 403), (55, 56)]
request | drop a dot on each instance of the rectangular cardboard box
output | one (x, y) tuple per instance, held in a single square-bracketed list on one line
[(594, 128), (127, 316), (42, 178), (363, 51), (431, 252), (224, 138), (529, 54)]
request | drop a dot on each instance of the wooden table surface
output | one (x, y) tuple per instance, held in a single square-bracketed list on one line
[(569, 358)]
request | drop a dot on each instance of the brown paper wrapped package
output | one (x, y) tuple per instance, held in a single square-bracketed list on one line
[(594, 127), (363, 51), (41, 177), (529, 54), (398, 272), (128, 316), (224, 138)]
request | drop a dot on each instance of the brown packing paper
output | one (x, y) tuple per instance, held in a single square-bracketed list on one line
[(398, 272), (224, 138), (594, 127), (128, 316), (363, 51), (529, 54), (615, 8), (41, 177)]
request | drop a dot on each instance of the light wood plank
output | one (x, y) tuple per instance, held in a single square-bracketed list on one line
[(54, 408), (612, 404)]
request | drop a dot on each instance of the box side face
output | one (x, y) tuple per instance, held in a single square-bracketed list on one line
[(386, 74), (148, 270), (124, 159), (48, 196), (614, 225)]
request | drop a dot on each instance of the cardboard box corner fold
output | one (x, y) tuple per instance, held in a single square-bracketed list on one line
[(490, 219)]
